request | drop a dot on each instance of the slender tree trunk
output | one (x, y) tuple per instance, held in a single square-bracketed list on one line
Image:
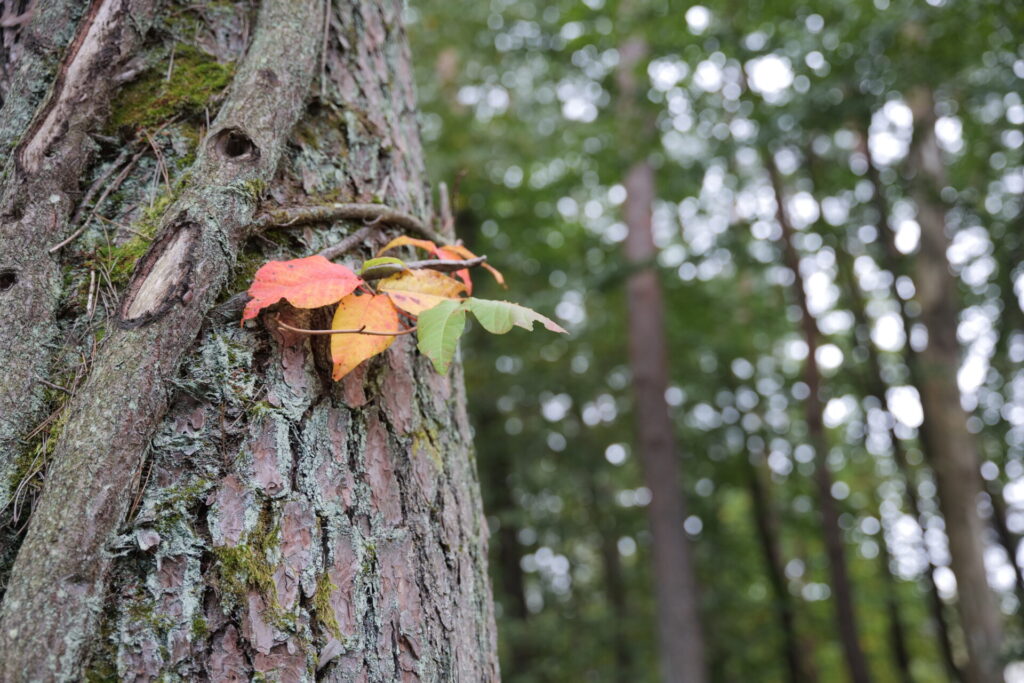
[(952, 449), (217, 508), (842, 589), (766, 521), (680, 636), (614, 583), (875, 387)]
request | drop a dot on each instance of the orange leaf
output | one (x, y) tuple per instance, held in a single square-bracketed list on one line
[(404, 240), (370, 311), (309, 282)]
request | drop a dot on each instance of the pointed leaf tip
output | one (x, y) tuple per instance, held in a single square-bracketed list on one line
[(498, 317)]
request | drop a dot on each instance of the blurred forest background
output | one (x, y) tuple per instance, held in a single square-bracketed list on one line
[(786, 435)]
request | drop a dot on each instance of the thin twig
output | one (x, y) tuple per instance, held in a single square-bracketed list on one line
[(327, 213), (348, 244), (441, 265), (161, 164), (52, 385), (361, 330), (99, 202), (95, 187)]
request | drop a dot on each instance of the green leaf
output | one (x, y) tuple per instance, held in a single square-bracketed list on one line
[(498, 317), (438, 330), (381, 261)]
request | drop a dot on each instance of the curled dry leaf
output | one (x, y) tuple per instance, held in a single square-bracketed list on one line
[(309, 282), (448, 251)]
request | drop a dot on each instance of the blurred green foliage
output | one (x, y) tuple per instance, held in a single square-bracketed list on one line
[(519, 116)]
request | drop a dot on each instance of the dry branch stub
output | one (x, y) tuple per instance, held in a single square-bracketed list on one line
[(163, 277)]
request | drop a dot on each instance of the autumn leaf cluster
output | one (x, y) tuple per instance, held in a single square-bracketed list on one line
[(370, 311)]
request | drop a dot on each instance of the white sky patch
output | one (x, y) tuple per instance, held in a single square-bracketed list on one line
[(949, 132), (821, 293), (890, 131), (770, 75), (698, 18), (555, 408), (839, 410), (908, 235), (802, 209), (887, 332), (579, 100), (905, 404), (829, 357), (708, 76), (665, 73)]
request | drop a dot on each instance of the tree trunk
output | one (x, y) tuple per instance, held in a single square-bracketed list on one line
[(842, 589), (217, 508), (798, 661), (680, 636), (874, 386), (679, 629), (952, 450)]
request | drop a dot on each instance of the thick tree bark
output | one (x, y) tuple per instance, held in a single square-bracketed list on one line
[(40, 185), (951, 448), (282, 526), (842, 588), (679, 629)]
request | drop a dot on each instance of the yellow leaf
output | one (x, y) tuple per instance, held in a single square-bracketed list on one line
[(424, 281), (373, 312), (415, 291)]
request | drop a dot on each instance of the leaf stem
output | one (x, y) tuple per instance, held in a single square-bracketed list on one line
[(361, 330)]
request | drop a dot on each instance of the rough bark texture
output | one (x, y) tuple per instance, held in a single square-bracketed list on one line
[(952, 450), (842, 588), (41, 179), (679, 629), (281, 526)]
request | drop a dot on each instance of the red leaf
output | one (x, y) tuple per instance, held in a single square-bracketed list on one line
[(309, 282)]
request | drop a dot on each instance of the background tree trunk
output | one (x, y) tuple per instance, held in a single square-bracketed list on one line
[(680, 636), (951, 448), (280, 525), (679, 628), (798, 657), (842, 587)]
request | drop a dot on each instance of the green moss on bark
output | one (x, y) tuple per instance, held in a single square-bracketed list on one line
[(195, 80)]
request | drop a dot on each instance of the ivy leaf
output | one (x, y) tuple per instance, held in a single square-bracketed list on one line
[(373, 312), (439, 329), (309, 282), (415, 291), (498, 317)]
